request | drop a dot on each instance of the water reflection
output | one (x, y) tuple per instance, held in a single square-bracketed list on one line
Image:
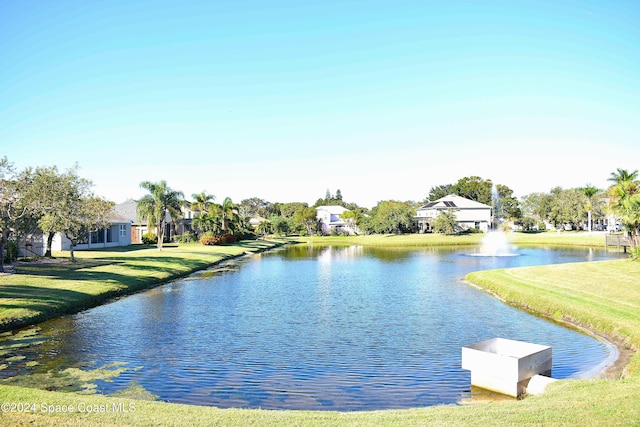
[(341, 328)]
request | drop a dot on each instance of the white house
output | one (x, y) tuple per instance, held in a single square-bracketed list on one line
[(118, 233), (330, 218), (469, 213)]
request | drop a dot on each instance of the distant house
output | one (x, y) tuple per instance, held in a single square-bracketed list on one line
[(185, 224), (139, 227), (118, 233), (469, 213), (255, 221), (32, 244), (331, 221), (129, 210)]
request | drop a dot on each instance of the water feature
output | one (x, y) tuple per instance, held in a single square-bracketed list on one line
[(494, 244), (340, 328)]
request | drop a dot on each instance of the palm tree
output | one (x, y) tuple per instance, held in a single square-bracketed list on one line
[(202, 202), (155, 206), (589, 191), (264, 227), (624, 200), (228, 213), (625, 185)]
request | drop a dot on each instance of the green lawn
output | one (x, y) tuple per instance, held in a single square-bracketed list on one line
[(44, 290), (604, 296)]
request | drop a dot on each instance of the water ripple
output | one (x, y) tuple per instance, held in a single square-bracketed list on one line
[(336, 328)]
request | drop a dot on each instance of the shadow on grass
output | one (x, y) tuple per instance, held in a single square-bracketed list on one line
[(130, 248), (136, 273), (43, 303)]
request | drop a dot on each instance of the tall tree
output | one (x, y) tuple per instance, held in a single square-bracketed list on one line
[(474, 188), (254, 207), (354, 219), (288, 210), (439, 192), (160, 202), (13, 205), (56, 196), (567, 207), (537, 205), (306, 218), (391, 216), (508, 204), (85, 214)]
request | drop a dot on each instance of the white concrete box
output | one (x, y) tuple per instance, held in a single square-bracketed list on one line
[(505, 366)]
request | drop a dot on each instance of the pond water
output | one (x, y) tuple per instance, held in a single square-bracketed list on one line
[(336, 328)]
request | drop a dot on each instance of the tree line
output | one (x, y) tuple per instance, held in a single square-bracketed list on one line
[(52, 201), (62, 202)]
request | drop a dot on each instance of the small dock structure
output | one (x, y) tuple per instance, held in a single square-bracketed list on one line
[(617, 240)]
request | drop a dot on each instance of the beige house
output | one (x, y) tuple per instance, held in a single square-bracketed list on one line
[(469, 213)]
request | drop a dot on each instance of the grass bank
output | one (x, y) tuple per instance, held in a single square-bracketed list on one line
[(43, 290), (550, 238), (606, 293), (603, 296)]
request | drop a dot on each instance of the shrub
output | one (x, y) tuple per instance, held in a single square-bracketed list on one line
[(149, 239), (186, 237), (209, 239), (227, 239), (445, 223)]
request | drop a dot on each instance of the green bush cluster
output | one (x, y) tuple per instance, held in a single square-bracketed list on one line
[(149, 239), (186, 237)]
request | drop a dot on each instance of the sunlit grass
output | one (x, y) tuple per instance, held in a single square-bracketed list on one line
[(602, 296)]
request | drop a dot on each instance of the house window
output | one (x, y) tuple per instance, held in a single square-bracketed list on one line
[(477, 225), (109, 235), (123, 230), (97, 236)]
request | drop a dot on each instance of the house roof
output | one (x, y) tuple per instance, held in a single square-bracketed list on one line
[(128, 210), (115, 218), (256, 220), (452, 201), (334, 210)]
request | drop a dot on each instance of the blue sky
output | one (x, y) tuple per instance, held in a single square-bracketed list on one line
[(283, 100)]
